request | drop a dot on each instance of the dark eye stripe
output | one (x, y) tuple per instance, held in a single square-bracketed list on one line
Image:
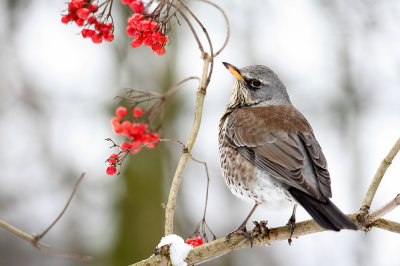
[(254, 83)]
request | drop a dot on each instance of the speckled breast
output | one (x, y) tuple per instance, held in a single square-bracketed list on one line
[(245, 180)]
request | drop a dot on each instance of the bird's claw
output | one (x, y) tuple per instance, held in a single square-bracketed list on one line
[(241, 230), (291, 223)]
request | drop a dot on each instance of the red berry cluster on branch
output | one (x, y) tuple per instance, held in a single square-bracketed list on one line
[(138, 134), (144, 30), (194, 242), (80, 11)]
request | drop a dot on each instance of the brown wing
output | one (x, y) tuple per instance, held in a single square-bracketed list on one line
[(279, 140)]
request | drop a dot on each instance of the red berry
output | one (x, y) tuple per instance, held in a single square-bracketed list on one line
[(130, 31), (135, 144), (125, 146), (154, 26), (92, 20), (161, 51), (157, 36), (199, 241), (115, 121), (126, 2), (164, 40), (109, 37), (83, 13), (137, 112), (78, 3), (97, 38), (121, 111), (138, 129), (93, 8), (137, 6), (85, 33), (153, 137), (71, 7), (145, 25), (194, 242), (113, 159), (136, 42), (135, 19), (79, 22), (111, 170), (65, 19), (156, 47), (148, 41)]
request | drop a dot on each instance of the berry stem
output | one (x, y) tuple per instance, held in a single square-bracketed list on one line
[(170, 208)]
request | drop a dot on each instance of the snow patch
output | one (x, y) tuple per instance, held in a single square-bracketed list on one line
[(178, 249)]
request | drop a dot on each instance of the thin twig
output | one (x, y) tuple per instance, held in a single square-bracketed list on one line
[(174, 88), (170, 208), (378, 177), (196, 37), (372, 217), (228, 28), (211, 59), (208, 184), (65, 207), (202, 225), (34, 239)]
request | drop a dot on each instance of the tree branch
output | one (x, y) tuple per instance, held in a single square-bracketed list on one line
[(387, 225), (221, 246), (388, 207), (170, 208), (373, 187), (34, 239)]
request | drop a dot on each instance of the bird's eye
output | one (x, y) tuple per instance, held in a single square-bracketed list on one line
[(255, 83)]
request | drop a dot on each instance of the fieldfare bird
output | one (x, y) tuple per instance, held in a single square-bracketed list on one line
[(269, 154)]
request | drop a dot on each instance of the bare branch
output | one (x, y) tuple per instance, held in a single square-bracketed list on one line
[(228, 28), (202, 225), (221, 246), (372, 217), (16, 231), (378, 176), (205, 56), (173, 89), (34, 239), (65, 207), (387, 225), (170, 208)]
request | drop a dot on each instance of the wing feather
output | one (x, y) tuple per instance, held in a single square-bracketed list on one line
[(278, 139)]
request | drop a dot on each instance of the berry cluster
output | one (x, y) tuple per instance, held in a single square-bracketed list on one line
[(138, 135), (113, 160), (80, 11), (194, 242), (144, 30)]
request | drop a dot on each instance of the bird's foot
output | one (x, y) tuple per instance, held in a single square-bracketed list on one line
[(260, 229), (291, 223), (241, 230)]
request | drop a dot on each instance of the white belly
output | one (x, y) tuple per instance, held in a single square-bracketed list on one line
[(265, 190)]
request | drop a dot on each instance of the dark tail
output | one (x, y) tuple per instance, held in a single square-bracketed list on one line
[(326, 214)]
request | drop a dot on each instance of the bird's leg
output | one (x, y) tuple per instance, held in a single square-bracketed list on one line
[(242, 228), (291, 223)]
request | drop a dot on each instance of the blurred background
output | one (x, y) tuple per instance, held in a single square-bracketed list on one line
[(340, 61)]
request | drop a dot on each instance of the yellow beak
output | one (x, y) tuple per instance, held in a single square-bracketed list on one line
[(234, 71)]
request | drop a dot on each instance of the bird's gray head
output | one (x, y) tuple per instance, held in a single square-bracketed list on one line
[(256, 85)]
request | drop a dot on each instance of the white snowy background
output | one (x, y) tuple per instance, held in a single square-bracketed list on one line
[(316, 47)]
